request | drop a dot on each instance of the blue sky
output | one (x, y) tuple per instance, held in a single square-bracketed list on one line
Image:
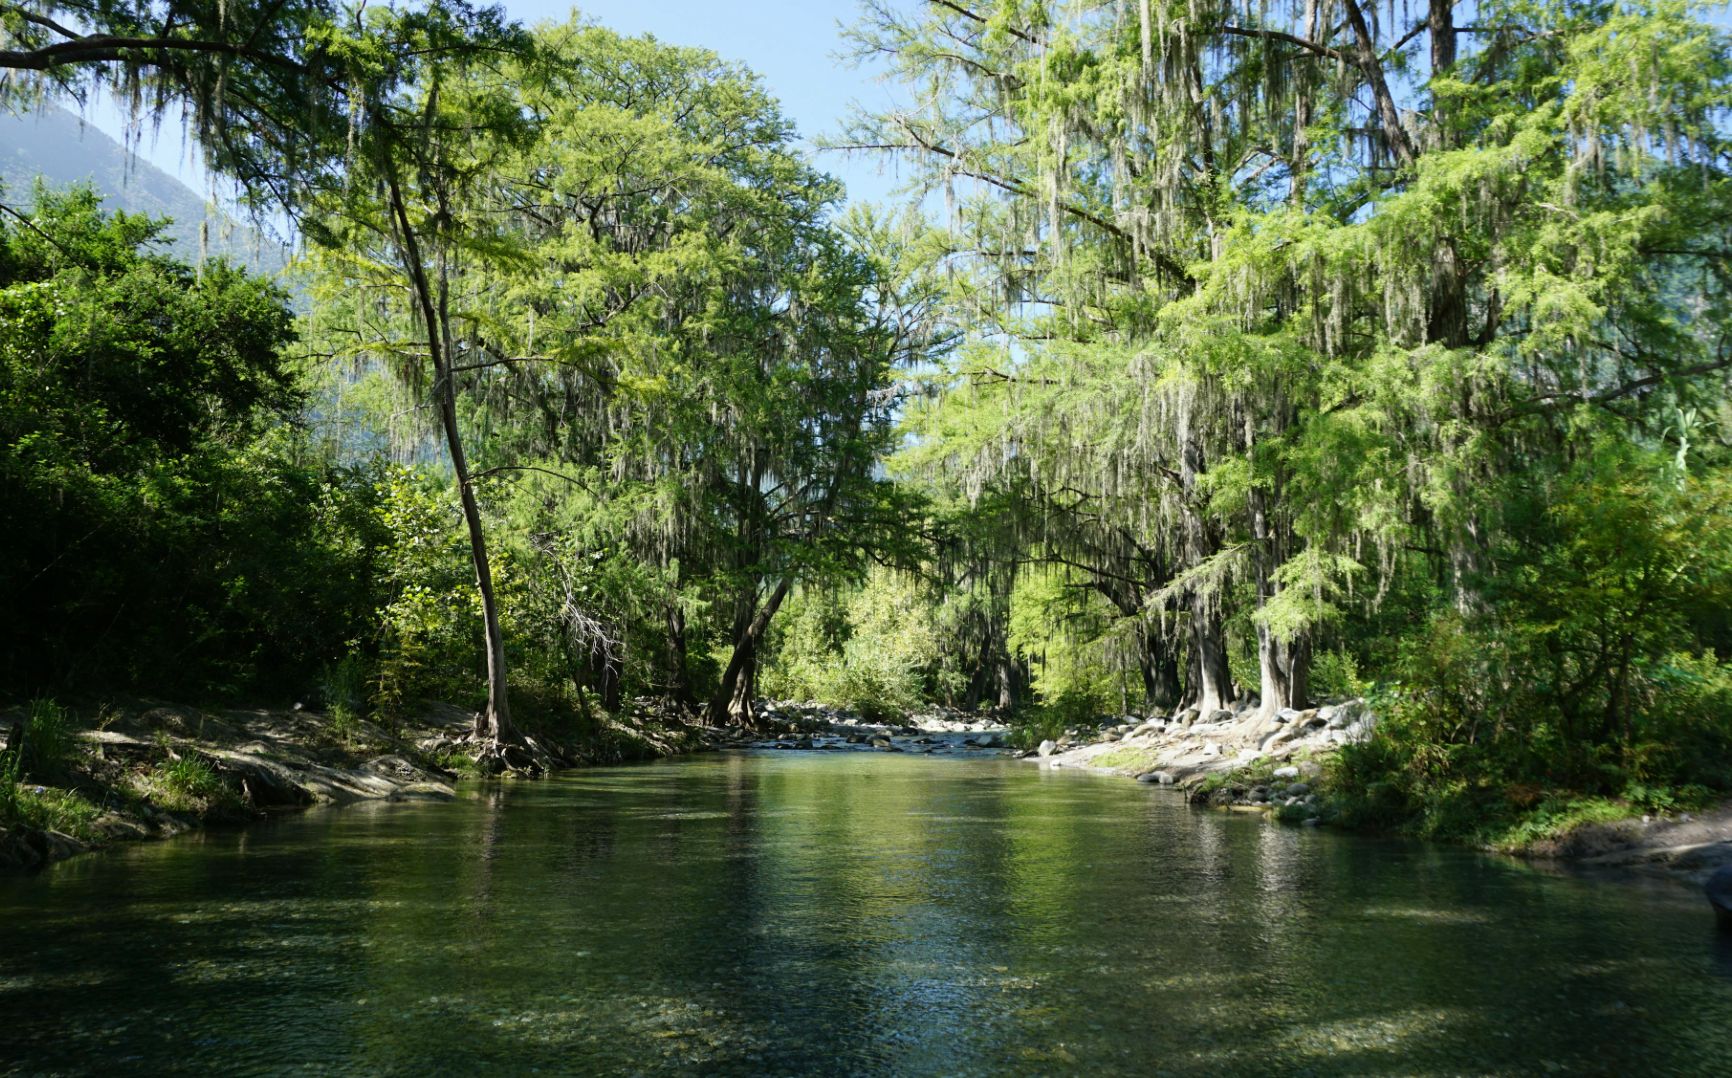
[(790, 43)]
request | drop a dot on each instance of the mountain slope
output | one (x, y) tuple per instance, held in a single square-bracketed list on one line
[(58, 146)]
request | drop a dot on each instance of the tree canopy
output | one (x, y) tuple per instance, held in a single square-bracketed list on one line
[(1224, 358)]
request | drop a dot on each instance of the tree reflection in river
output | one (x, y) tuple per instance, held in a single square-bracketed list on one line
[(842, 914)]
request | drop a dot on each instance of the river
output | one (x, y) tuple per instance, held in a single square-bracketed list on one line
[(841, 914)]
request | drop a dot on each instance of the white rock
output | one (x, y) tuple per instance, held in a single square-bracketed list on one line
[(1211, 749), (1286, 772), (1046, 748)]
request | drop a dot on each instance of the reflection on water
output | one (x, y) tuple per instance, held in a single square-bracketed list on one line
[(841, 914)]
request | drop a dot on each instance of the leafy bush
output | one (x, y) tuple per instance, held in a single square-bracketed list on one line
[(169, 527), (871, 650), (1336, 673), (1071, 639), (1566, 697), (190, 784), (40, 747), (38, 753), (49, 809)]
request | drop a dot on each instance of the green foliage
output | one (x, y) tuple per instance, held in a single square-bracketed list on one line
[(1487, 741), (869, 648), (1335, 673), (40, 747), (1075, 645), (344, 688), (189, 783), (49, 808), (38, 755), (1313, 385), (1033, 725), (431, 620), (168, 530)]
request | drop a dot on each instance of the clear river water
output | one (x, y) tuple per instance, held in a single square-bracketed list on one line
[(842, 914)]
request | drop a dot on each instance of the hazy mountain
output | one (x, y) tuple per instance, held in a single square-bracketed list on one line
[(61, 148)]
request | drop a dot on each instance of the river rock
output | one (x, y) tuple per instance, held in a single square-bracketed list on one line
[(266, 783), (1211, 749), (1298, 789), (424, 791), (1720, 896), (24, 847), (1047, 748), (114, 826), (1286, 772), (803, 743)]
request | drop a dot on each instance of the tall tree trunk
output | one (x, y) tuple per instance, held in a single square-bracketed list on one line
[(1447, 321), (1275, 693), (679, 675), (1299, 163), (1441, 19), (1161, 688), (1284, 665), (733, 698), (494, 723), (1372, 66), (1211, 683)]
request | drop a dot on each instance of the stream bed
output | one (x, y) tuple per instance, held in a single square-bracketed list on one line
[(843, 914)]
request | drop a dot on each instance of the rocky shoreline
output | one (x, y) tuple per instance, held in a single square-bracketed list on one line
[(1242, 760), (811, 726), (275, 760), (1237, 758), (269, 760)]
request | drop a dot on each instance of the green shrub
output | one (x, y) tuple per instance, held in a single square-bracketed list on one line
[(41, 746), (1049, 719), (1336, 673), (49, 809), (871, 651), (191, 784)]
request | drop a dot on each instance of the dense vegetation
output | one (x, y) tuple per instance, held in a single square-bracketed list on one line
[(1257, 352)]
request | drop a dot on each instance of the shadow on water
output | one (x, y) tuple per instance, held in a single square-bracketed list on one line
[(1721, 952), (858, 914)]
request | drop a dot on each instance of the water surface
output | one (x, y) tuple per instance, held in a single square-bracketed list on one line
[(832, 914)]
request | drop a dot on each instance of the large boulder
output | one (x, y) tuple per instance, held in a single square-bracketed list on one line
[(1720, 895), (24, 847), (266, 783)]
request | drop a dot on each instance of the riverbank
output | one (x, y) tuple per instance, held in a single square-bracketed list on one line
[(150, 770), (790, 725), (1280, 764), (144, 769)]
